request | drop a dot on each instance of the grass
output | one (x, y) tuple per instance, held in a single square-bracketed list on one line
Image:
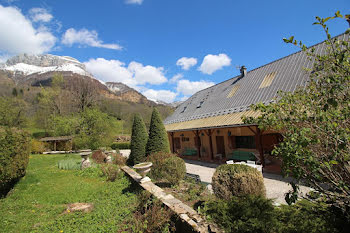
[(37, 202)]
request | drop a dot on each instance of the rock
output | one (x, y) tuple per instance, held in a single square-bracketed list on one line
[(85, 163), (109, 159), (84, 207)]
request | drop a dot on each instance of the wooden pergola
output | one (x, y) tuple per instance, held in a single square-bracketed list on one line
[(55, 140)]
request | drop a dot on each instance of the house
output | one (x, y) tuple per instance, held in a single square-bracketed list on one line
[(208, 126)]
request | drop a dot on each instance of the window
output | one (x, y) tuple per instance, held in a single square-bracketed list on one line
[(184, 109), (185, 139), (268, 80), (233, 91), (245, 142), (200, 104)]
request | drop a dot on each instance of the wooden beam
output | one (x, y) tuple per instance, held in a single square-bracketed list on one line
[(54, 145), (260, 147), (197, 132), (172, 142), (209, 132), (254, 132)]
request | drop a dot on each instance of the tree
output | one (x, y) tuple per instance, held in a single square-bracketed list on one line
[(138, 141), (12, 112), (315, 121), (158, 138), (84, 91)]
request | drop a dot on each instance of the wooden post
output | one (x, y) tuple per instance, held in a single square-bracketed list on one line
[(209, 132), (260, 147), (172, 142), (54, 145), (196, 133)]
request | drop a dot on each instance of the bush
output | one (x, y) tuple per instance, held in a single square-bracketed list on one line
[(158, 161), (174, 170), (14, 156), (118, 159), (243, 214), (111, 171), (138, 141), (120, 145), (98, 156), (37, 147), (306, 216), (237, 180), (69, 164), (158, 137)]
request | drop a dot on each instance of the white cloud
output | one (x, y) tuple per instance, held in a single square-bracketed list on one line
[(19, 36), (133, 75), (187, 87), (86, 37), (110, 71), (162, 95), (147, 74), (186, 62), (175, 78), (139, 2), (212, 63), (40, 15)]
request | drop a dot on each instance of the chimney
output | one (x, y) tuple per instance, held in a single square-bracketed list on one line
[(243, 71)]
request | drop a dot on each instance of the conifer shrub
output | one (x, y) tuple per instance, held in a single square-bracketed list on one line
[(14, 156), (174, 170), (237, 180), (138, 141), (157, 138)]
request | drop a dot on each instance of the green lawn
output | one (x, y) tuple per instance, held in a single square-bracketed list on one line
[(38, 201)]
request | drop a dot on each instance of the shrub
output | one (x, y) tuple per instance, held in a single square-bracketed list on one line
[(158, 161), (306, 216), (37, 147), (118, 159), (237, 180), (158, 138), (174, 170), (14, 156), (98, 156), (120, 145), (150, 216), (138, 141), (243, 214), (111, 171), (69, 164)]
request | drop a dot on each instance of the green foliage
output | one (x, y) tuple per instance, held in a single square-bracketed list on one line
[(138, 141), (306, 216), (111, 171), (151, 216), (37, 147), (158, 161), (39, 200), (14, 154), (315, 121), (69, 164), (12, 112), (120, 145), (243, 214), (158, 138), (174, 170), (96, 129), (63, 125), (237, 180)]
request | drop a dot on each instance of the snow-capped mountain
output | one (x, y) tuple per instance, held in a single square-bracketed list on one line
[(25, 64)]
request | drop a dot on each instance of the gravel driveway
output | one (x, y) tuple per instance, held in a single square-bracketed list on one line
[(276, 185)]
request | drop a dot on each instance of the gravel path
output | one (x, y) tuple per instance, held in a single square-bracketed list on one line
[(276, 185)]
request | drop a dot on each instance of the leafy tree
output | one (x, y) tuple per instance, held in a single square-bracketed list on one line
[(12, 112), (138, 141), (14, 92), (96, 129), (158, 138), (315, 121)]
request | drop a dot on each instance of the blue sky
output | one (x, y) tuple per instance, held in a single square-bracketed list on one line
[(167, 49)]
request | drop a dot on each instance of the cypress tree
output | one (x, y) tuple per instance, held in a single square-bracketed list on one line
[(158, 138), (138, 141)]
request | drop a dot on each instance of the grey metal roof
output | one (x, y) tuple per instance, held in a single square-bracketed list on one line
[(290, 74)]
